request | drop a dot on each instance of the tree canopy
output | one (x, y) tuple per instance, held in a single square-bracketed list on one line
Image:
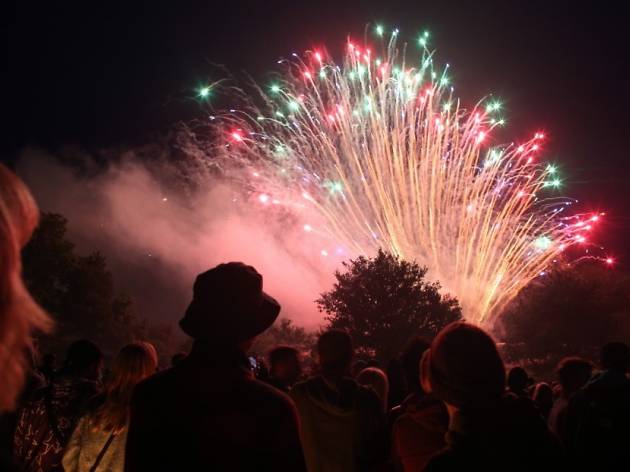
[(569, 311), (383, 301), (79, 292)]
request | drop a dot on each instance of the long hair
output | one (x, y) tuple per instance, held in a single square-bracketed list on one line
[(20, 315), (376, 379), (135, 362)]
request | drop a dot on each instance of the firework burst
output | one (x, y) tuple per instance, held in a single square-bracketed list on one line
[(379, 153)]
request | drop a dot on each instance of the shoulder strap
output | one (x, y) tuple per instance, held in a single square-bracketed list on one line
[(101, 454), (52, 417)]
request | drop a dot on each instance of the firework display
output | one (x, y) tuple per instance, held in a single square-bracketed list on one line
[(378, 152)]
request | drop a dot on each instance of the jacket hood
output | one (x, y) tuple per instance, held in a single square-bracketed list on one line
[(338, 398), (426, 411)]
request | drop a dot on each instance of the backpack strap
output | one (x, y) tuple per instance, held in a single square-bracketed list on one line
[(101, 454)]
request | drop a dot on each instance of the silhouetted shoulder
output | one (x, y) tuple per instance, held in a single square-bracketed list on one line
[(368, 397)]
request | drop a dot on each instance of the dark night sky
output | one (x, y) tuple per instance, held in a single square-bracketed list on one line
[(98, 73)]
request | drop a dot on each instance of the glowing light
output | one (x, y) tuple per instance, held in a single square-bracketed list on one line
[(324, 252), (204, 92), (379, 30), (237, 136), (543, 243), (275, 88), (318, 56), (263, 198), (494, 106), (610, 261), (294, 106), (308, 228)]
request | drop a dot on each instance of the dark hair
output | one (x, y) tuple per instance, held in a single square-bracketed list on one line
[(281, 354), (573, 373), (177, 358), (615, 355), (335, 351), (81, 355), (358, 366), (463, 367), (517, 378), (410, 361)]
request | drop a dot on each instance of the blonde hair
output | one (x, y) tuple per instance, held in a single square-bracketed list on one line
[(376, 379), (135, 362), (20, 315)]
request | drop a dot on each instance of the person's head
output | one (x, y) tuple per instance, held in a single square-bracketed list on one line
[(20, 315), (83, 359), (517, 380), (616, 356), (177, 358), (410, 362), (573, 373), (463, 367), (229, 307), (543, 395), (335, 351), (133, 363), (376, 379), (284, 364)]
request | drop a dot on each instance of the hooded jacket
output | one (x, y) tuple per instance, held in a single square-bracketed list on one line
[(419, 431), (342, 426)]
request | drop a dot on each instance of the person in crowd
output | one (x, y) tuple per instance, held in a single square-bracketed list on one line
[(543, 398), (284, 367), (572, 373), (421, 421), (357, 366), (517, 382), (20, 315), (397, 385), (48, 366), (598, 416), (47, 421), (177, 358), (375, 378), (98, 441), (488, 429), (342, 423), (209, 412)]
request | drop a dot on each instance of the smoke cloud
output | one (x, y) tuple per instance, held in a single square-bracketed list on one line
[(161, 221)]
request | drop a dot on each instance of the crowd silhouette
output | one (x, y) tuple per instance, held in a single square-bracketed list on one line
[(445, 404)]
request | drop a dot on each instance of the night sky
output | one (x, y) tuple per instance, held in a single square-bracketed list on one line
[(97, 74)]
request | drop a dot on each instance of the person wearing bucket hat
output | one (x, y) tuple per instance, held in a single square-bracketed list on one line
[(229, 305), (209, 412), (488, 430)]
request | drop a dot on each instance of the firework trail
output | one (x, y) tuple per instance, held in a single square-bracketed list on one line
[(379, 153)]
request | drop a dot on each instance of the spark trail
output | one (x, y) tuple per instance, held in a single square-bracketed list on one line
[(379, 153)]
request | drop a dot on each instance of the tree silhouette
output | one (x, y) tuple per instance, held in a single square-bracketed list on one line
[(78, 291), (383, 301), (569, 311)]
